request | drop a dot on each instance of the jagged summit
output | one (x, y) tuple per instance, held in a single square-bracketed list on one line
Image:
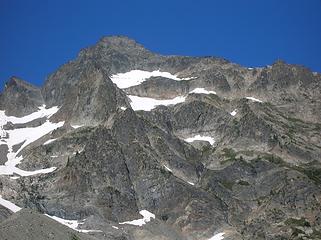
[(134, 145), (116, 47), (120, 40), (15, 81), (20, 97)]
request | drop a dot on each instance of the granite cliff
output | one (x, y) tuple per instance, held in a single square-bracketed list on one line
[(190, 147)]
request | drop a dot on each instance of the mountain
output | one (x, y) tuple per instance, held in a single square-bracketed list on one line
[(124, 143)]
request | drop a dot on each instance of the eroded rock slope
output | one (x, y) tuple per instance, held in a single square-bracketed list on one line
[(123, 143)]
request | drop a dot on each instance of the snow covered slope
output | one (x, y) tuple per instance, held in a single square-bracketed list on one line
[(147, 104), (24, 136), (136, 77)]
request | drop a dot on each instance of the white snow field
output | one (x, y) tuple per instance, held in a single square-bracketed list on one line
[(254, 99), (218, 236), (76, 126), (136, 77), (25, 136), (49, 141), (233, 113), (140, 222), (201, 138), (147, 104), (202, 90), (12, 207)]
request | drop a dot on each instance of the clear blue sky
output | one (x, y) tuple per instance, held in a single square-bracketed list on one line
[(37, 36)]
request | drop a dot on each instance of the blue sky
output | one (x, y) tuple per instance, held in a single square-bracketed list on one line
[(37, 36)]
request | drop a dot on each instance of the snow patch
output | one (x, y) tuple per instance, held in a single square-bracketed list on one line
[(200, 138), (140, 222), (76, 126), (81, 150), (73, 224), (167, 168), (69, 223), (147, 104), (254, 99), (202, 90), (14, 208), (136, 77), (49, 141), (29, 135), (26, 135), (115, 227), (42, 112), (218, 236), (87, 231), (191, 183), (123, 108), (233, 113), (27, 173)]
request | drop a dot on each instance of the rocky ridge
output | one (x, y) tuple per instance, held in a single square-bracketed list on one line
[(257, 177)]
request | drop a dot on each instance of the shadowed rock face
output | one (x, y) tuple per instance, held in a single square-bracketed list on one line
[(105, 181), (93, 99), (260, 179)]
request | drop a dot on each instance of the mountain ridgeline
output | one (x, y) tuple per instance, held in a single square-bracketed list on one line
[(191, 148)]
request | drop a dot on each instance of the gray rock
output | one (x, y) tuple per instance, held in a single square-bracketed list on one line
[(260, 180), (20, 98), (4, 213), (29, 225), (3, 153)]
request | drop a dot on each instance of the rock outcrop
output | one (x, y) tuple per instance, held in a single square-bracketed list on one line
[(239, 155), (20, 98)]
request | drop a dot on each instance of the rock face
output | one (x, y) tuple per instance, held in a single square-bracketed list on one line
[(4, 213), (253, 170), (20, 98), (86, 96)]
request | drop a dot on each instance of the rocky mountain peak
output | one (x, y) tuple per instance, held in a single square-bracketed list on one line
[(119, 48), (119, 41), (20, 97), (17, 82), (133, 145)]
